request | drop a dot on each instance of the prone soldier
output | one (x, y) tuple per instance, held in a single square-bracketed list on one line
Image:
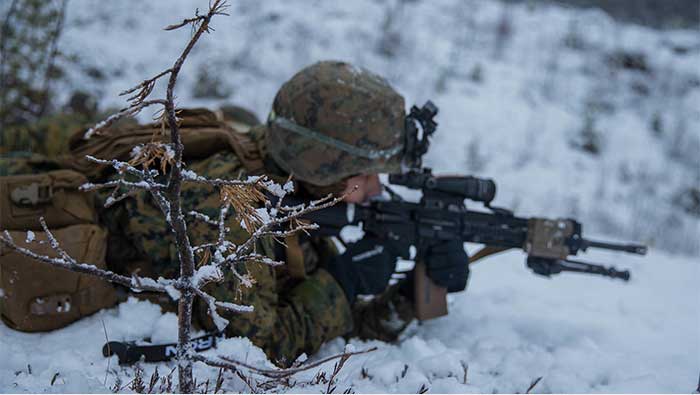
[(333, 128)]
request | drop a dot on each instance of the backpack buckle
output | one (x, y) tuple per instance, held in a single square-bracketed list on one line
[(32, 194)]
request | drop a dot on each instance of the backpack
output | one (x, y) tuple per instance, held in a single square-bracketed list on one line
[(36, 296), (39, 297), (203, 133)]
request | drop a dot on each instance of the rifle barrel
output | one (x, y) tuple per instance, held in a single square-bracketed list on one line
[(631, 248)]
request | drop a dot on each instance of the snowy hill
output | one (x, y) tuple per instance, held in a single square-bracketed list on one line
[(572, 113)]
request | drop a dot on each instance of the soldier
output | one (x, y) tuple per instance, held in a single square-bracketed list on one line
[(333, 127)]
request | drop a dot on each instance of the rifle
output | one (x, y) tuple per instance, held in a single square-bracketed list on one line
[(442, 215)]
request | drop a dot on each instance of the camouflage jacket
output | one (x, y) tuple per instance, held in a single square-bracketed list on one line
[(291, 315)]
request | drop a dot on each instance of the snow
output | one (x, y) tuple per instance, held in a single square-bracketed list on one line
[(136, 151), (208, 273), (580, 333), (189, 175), (173, 292), (509, 111), (280, 190), (169, 152)]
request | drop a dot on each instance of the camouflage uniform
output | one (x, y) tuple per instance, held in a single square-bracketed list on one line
[(291, 316)]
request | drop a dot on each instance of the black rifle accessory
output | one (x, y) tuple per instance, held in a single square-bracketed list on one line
[(130, 352)]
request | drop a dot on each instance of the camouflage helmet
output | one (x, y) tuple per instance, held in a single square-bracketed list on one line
[(331, 121)]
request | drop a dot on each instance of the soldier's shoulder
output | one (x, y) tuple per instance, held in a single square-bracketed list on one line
[(222, 164)]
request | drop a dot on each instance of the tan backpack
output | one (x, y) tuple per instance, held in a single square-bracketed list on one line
[(36, 296)]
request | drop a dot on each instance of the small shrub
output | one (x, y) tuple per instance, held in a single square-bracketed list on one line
[(633, 61), (476, 74), (588, 138)]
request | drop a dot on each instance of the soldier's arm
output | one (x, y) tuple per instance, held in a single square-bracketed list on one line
[(286, 324)]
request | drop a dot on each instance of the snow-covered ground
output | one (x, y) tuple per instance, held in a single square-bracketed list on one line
[(581, 334), (516, 86)]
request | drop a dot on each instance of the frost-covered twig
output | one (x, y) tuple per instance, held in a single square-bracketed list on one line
[(533, 385), (146, 179), (124, 112), (137, 283), (191, 176), (142, 185), (64, 261), (292, 213), (122, 167), (218, 9), (336, 369), (213, 304), (264, 259), (144, 88), (233, 364)]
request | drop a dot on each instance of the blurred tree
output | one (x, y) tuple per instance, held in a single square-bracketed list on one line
[(28, 49), (28, 53)]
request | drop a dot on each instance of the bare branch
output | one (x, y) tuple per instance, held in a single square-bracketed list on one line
[(533, 384), (223, 229), (125, 112), (293, 213), (336, 369), (233, 364), (204, 218), (156, 189), (141, 185), (145, 87), (173, 210), (54, 243), (264, 259), (69, 263), (122, 167), (245, 279), (204, 246), (191, 176), (232, 307), (290, 232), (217, 9), (188, 21)]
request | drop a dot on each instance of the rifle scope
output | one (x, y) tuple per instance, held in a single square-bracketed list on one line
[(468, 187)]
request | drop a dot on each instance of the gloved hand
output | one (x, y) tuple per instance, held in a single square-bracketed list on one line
[(366, 266), (447, 265)]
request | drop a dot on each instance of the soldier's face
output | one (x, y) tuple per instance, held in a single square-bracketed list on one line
[(368, 185)]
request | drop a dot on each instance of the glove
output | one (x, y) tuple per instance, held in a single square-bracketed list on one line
[(366, 266), (447, 265)]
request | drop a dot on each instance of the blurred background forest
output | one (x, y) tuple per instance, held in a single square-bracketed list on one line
[(578, 108)]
